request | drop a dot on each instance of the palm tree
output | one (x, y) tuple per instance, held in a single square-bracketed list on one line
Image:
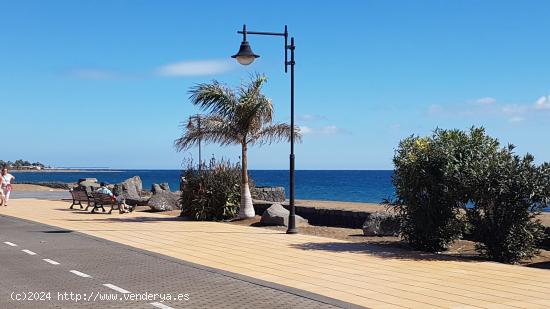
[(235, 117)]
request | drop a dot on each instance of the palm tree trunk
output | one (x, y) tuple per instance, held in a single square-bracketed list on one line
[(247, 208)]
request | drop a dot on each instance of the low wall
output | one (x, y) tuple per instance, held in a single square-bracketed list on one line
[(323, 216), (271, 194), (53, 185)]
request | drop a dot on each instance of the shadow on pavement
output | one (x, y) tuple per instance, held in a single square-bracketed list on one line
[(383, 250)]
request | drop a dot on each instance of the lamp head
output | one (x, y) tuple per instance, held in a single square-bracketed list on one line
[(245, 56)]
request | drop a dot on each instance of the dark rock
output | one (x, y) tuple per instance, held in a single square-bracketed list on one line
[(157, 188), (87, 180), (165, 186), (278, 215), (270, 194), (164, 200), (381, 224), (53, 185), (88, 186), (132, 190)]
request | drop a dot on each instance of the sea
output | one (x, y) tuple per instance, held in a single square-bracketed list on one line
[(336, 185), (367, 186)]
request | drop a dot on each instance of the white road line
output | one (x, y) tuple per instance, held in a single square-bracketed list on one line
[(160, 305), (29, 252), (10, 244), (50, 261), (76, 272), (116, 288)]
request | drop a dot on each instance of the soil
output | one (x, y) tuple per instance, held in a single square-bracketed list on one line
[(460, 249)]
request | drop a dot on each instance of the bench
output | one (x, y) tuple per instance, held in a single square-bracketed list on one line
[(102, 199), (80, 196)]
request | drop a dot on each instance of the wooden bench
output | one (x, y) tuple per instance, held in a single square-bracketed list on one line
[(102, 199), (80, 196)]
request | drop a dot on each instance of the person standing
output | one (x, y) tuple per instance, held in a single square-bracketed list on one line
[(2, 199), (7, 178)]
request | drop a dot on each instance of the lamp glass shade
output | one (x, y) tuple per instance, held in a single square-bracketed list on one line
[(245, 60), (245, 56)]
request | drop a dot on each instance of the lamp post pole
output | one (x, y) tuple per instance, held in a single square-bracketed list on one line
[(197, 118), (245, 56)]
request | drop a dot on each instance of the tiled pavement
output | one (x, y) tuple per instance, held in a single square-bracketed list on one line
[(351, 272), (127, 268)]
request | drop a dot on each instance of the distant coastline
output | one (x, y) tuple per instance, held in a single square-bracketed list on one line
[(63, 170)]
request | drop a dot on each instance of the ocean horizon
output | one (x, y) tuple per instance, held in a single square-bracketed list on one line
[(370, 186)]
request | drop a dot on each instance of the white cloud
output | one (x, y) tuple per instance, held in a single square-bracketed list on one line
[(514, 109), (485, 101), (305, 130), (435, 109), (93, 74), (332, 129), (310, 117), (543, 102), (516, 119), (326, 130), (194, 68)]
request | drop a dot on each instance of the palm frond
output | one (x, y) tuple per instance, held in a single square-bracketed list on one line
[(215, 98), (274, 133), (213, 129)]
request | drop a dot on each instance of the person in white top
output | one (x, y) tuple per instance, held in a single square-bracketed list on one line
[(7, 178), (2, 198)]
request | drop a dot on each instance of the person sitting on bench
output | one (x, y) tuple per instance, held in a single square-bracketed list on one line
[(119, 199)]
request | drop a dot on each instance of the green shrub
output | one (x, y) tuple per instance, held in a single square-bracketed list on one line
[(213, 193), (429, 190), (506, 200), (436, 177)]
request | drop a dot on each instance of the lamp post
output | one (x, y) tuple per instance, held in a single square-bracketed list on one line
[(245, 56), (196, 118)]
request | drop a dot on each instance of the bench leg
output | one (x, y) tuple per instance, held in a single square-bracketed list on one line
[(75, 202), (96, 206)]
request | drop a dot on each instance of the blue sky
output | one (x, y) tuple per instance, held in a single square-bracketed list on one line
[(105, 83)]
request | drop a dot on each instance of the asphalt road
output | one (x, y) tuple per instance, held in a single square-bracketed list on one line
[(45, 267)]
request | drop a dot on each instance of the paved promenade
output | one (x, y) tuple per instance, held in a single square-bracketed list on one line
[(349, 272)]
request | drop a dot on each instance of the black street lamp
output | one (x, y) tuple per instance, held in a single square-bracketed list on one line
[(245, 56)]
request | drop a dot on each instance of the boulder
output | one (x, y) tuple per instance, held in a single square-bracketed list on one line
[(165, 186), (87, 180), (276, 214), (270, 194), (164, 200), (88, 186), (156, 188), (381, 224), (132, 190)]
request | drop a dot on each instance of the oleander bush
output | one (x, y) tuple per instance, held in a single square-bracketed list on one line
[(506, 201), (429, 190), (454, 180), (213, 193)]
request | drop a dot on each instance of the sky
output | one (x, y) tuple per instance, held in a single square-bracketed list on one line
[(106, 83)]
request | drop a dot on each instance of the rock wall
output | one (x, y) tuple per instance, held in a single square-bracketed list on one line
[(53, 185), (322, 216), (270, 194)]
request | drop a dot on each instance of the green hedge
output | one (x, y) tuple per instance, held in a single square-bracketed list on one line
[(213, 193), (436, 177)]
